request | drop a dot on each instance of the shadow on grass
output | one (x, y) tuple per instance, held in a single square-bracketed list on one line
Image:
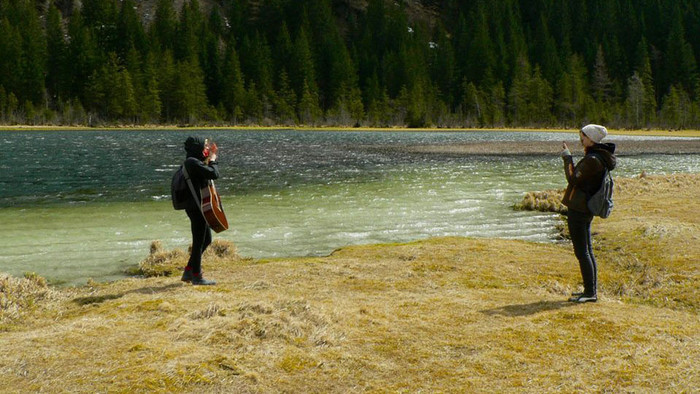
[(107, 297), (528, 309)]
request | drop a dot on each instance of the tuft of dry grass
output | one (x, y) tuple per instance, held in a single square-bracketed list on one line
[(160, 262), (440, 315), (19, 297), (543, 201)]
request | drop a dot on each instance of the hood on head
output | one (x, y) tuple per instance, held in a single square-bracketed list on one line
[(194, 146), (606, 152)]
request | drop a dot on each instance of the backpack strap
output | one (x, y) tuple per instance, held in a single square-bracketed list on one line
[(600, 159), (606, 172), (191, 186)]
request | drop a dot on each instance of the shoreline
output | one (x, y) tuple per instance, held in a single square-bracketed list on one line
[(612, 132)]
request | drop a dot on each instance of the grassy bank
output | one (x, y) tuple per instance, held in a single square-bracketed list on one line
[(446, 314)]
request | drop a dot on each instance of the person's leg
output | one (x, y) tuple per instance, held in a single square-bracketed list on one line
[(207, 239), (592, 256), (200, 232), (201, 239), (579, 229)]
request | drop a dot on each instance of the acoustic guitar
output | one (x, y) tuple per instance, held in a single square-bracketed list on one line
[(212, 208)]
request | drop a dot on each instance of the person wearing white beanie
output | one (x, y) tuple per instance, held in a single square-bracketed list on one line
[(583, 180)]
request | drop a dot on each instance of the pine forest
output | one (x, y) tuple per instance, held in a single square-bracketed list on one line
[(350, 63)]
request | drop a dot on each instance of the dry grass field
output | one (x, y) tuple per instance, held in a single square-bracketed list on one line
[(441, 315)]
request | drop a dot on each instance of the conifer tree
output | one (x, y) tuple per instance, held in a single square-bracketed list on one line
[(56, 63), (496, 115), (150, 104), (574, 100), (83, 56), (162, 29), (256, 63), (190, 97), (635, 100), (601, 84), (680, 66), (285, 100), (480, 67), (309, 111), (518, 95), (540, 98), (443, 64), (212, 61), (546, 54), (167, 79), (283, 48), (471, 104), (188, 33), (127, 96), (100, 16), (233, 86), (130, 32), (643, 69), (302, 72), (254, 105), (32, 57), (676, 109), (103, 90), (11, 50)]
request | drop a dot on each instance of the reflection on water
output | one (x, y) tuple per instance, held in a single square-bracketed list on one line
[(89, 203)]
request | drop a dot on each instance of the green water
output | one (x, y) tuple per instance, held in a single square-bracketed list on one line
[(91, 203)]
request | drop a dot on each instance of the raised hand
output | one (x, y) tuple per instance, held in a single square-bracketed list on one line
[(213, 151)]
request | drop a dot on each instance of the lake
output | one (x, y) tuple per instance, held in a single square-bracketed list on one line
[(87, 204)]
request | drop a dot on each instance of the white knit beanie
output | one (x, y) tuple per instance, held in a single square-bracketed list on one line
[(595, 132)]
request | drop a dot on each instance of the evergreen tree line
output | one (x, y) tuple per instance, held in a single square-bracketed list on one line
[(459, 63)]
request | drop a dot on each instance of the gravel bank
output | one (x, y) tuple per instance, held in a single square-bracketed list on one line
[(624, 148)]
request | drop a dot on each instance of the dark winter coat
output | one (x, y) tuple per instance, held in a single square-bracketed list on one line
[(586, 177), (199, 170)]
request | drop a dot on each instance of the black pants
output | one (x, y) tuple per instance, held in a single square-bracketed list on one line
[(201, 238), (580, 231)]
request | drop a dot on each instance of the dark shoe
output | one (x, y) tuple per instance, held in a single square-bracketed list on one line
[(187, 276), (584, 298), (199, 281), (577, 294)]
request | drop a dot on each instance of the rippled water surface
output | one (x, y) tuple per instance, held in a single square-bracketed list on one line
[(75, 204)]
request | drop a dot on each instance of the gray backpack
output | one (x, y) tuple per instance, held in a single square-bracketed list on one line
[(178, 189), (601, 202)]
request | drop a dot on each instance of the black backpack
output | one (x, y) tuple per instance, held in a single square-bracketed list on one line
[(179, 190), (601, 202)]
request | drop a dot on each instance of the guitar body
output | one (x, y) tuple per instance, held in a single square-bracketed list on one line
[(212, 209)]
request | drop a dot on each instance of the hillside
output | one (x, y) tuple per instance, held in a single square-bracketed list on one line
[(350, 63), (446, 314)]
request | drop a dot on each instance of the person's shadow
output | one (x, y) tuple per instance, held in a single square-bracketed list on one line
[(527, 309), (143, 290)]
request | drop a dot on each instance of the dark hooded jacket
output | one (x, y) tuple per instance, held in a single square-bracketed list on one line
[(199, 170), (587, 176)]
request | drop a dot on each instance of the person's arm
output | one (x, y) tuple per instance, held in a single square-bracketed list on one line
[(201, 170), (569, 168), (584, 172)]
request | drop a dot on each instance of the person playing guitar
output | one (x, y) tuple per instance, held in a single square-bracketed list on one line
[(201, 165)]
